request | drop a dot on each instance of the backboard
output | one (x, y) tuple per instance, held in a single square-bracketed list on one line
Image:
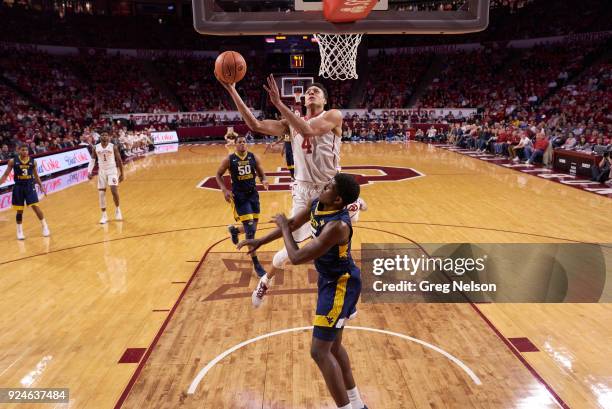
[(289, 85), (286, 17)]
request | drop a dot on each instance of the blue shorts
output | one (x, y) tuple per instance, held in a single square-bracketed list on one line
[(336, 301), (246, 206), (24, 194)]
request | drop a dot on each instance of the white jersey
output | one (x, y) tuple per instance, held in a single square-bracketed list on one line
[(317, 160), (106, 158)]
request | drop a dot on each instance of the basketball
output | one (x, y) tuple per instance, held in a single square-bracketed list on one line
[(230, 67)]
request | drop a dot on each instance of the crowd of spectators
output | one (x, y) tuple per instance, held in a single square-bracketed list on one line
[(393, 78), (502, 81), (510, 19), (83, 87), (191, 80)]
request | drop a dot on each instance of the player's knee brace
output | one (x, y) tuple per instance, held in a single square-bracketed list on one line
[(19, 217), (102, 195), (249, 229), (280, 258)]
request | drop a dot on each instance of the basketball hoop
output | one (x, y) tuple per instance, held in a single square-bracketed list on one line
[(338, 55), (298, 96)]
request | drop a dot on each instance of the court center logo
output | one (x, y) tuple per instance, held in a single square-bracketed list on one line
[(365, 175)]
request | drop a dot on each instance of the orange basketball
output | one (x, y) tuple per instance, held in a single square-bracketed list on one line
[(230, 67)]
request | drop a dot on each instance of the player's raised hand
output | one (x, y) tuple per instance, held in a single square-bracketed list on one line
[(227, 85), (280, 220), (252, 244), (273, 91)]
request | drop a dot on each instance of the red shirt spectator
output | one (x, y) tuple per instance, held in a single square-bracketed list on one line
[(541, 144)]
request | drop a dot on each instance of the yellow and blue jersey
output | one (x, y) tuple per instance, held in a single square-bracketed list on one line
[(245, 205), (24, 171), (337, 260), (24, 192), (339, 283), (242, 171)]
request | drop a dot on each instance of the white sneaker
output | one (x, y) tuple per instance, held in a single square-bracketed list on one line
[(104, 219), (516, 159), (257, 298), (20, 235), (45, 231), (118, 215)]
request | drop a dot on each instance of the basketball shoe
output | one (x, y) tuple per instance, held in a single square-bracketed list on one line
[(234, 232)]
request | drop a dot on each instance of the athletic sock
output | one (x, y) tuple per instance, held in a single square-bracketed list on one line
[(355, 398), (348, 406)]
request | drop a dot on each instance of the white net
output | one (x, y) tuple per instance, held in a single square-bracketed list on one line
[(338, 55)]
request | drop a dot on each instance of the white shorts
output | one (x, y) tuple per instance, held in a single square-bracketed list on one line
[(106, 179), (303, 193)]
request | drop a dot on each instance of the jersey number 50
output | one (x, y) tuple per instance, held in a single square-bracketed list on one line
[(244, 169)]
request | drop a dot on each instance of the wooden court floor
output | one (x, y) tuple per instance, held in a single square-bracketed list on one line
[(167, 286)]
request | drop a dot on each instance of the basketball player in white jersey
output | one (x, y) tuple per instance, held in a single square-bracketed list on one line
[(315, 140), (109, 161)]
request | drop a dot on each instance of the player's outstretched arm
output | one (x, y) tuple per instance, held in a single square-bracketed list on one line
[(261, 174), (227, 194), (7, 172), (119, 163), (92, 165), (336, 232), (302, 217), (37, 178), (328, 121), (267, 126)]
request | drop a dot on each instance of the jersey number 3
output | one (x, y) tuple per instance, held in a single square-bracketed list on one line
[(306, 145)]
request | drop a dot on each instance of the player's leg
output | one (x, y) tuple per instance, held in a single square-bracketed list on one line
[(18, 202), (114, 187), (235, 232), (246, 210), (19, 221), (265, 282), (335, 303), (250, 227), (301, 197), (289, 160), (41, 217), (339, 352), (102, 200), (320, 352), (102, 184)]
